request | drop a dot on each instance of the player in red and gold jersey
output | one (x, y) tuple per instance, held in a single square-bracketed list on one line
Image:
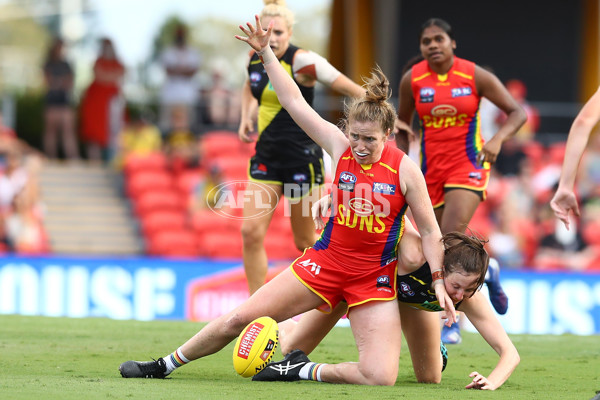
[(445, 91), (355, 260)]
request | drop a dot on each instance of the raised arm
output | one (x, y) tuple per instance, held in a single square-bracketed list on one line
[(479, 312), (324, 133), (564, 200)]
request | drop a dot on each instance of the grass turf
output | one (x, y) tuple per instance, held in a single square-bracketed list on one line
[(61, 358)]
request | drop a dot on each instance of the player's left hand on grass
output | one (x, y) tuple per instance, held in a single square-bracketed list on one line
[(479, 382)]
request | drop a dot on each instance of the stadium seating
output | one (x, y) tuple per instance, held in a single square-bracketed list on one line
[(140, 182), (145, 162), (173, 243)]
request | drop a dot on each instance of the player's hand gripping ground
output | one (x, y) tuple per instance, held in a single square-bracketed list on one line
[(479, 382)]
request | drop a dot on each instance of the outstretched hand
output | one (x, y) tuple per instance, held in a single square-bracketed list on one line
[(257, 38), (563, 203)]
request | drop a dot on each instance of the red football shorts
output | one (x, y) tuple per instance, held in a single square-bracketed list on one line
[(336, 279), (468, 177)]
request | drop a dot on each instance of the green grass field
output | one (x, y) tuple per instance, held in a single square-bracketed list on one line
[(60, 358)]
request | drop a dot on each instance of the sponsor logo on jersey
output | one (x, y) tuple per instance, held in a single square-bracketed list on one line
[(405, 288), (259, 169), (475, 175), (255, 77), (460, 92), (426, 95), (299, 178), (444, 110), (383, 281), (361, 206), (347, 181), (384, 188)]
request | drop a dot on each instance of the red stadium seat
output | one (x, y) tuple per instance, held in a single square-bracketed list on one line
[(158, 200), (141, 182), (162, 220), (145, 162), (221, 245), (173, 243), (215, 144)]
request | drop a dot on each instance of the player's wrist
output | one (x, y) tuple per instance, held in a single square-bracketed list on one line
[(266, 55), (437, 276)]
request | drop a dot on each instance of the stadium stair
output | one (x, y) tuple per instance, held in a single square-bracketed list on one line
[(85, 212)]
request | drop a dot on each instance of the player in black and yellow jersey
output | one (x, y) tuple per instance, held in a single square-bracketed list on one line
[(287, 161)]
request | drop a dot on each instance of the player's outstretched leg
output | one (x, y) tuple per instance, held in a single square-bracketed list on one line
[(497, 296), (287, 369), (144, 369)]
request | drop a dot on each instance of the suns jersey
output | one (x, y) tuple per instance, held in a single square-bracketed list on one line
[(415, 290), (280, 140), (368, 207), (448, 109)]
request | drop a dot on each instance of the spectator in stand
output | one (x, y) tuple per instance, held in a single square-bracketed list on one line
[(222, 110), (180, 144), (203, 196), (137, 137), (96, 105), (512, 155), (562, 247), (58, 112), (181, 62)]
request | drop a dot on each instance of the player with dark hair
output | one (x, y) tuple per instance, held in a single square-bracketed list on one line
[(445, 91), (465, 266)]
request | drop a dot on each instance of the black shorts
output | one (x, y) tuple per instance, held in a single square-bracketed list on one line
[(297, 181)]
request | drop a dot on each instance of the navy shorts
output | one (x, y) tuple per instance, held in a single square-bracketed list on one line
[(297, 181)]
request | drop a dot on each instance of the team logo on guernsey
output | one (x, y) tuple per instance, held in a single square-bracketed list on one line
[(347, 181), (384, 188), (406, 289), (426, 95), (361, 206), (460, 92), (254, 77), (444, 110), (384, 281)]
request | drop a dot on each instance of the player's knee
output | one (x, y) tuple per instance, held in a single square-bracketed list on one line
[(412, 259), (433, 377), (252, 235), (234, 324), (380, 376)]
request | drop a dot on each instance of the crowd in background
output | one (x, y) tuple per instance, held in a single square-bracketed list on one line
[(103, 128)]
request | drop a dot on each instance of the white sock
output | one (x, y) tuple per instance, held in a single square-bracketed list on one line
[(311, 371), (175, 360)]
